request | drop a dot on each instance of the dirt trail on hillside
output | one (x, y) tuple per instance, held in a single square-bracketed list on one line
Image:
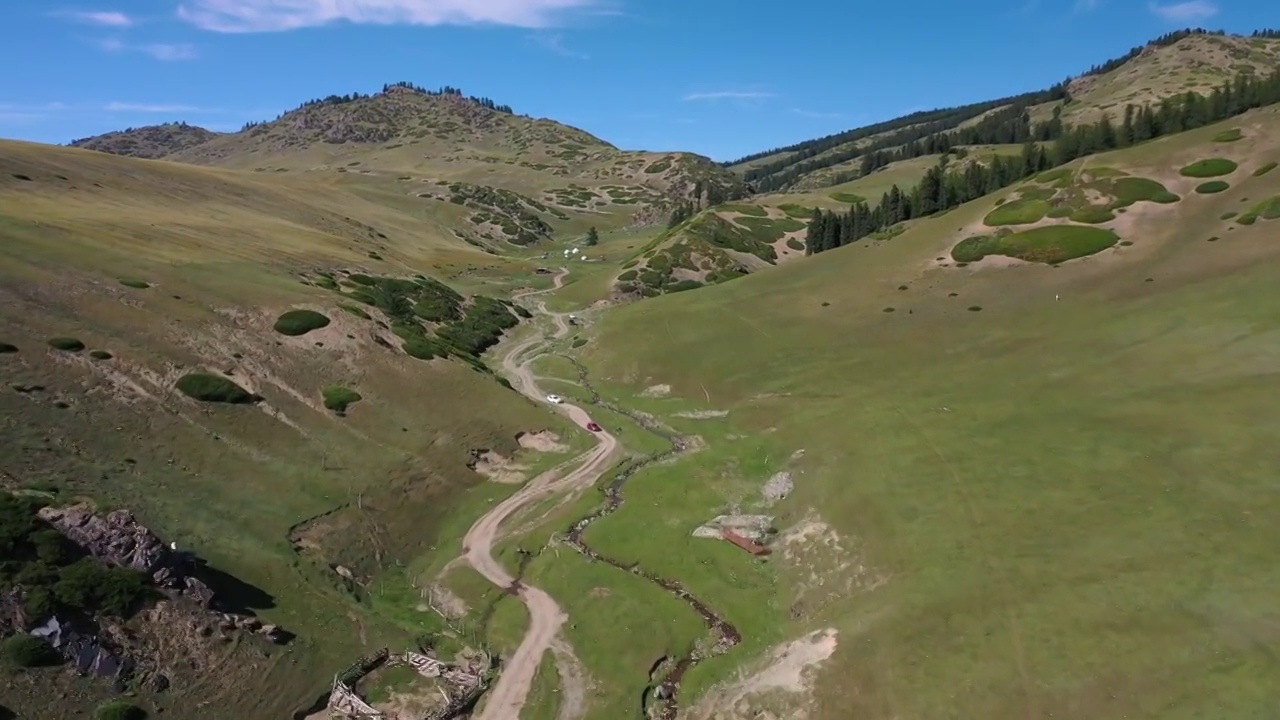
[(507, 698)]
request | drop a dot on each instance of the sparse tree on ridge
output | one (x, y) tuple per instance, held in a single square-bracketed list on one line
[(593, 237)]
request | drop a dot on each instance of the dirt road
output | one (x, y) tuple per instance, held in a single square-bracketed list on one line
[(505, 700)]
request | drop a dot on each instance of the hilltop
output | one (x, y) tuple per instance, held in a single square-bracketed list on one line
[(150, 142)]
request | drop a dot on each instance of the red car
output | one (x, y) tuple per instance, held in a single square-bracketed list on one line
[(593, 427)]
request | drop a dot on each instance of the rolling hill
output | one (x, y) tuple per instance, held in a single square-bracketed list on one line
[(526, 180), (1006, 431), (1174, 64)]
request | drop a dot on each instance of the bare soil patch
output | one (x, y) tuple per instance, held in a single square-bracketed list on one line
[(656, 391), (499, 468), (771, 690), (542, 441), (702, 414)]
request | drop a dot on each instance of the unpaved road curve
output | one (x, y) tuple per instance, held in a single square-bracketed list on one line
[(507, 697)]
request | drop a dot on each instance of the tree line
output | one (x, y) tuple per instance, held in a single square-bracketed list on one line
[(909, 127), (1001, 124), (941, 189), (780, 173)]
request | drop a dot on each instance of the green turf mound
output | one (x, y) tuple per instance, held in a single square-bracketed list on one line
[(8, 348), (1130, 190), (68, 344), (1052, 244), (1092, 215), (1091, 196), (338, 398), (847, 198), (214, 389), (1018, 212), (1211, 187), (135, 283), (300, 322), (1265, 210), (1213, 167), (1265, 169), (1227, 136), (100, 355), (798, 212)]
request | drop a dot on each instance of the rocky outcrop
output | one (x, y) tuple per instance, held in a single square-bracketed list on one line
[(115, 538)]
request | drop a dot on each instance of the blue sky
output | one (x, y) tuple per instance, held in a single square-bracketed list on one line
[(719, 77)]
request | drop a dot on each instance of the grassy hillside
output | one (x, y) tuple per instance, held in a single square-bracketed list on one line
[(1177, 63), (218, 352), (1020, 488), (405, 143), (1193, 64)]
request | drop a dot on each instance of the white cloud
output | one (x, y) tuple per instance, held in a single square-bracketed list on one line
[(729, 95), (235, 16), (555, 44), (167, 52), (107, 18), (1190, 11), (129, 107)]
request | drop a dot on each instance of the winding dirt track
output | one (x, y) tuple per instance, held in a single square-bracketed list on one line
[(508, 695)]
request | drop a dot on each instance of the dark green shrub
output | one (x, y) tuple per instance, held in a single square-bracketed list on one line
[(135, 283), (1265, 169), (66, 343), (422, 348), (480, 328), (1211, 187), (8, 348), (975, 308), (300, 322), (683, 285), (627, 276), (214, 388), (87, 583), (119, 710), (28, 651), (338, 398), (100, 355), (795, 244), (579, 342)]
